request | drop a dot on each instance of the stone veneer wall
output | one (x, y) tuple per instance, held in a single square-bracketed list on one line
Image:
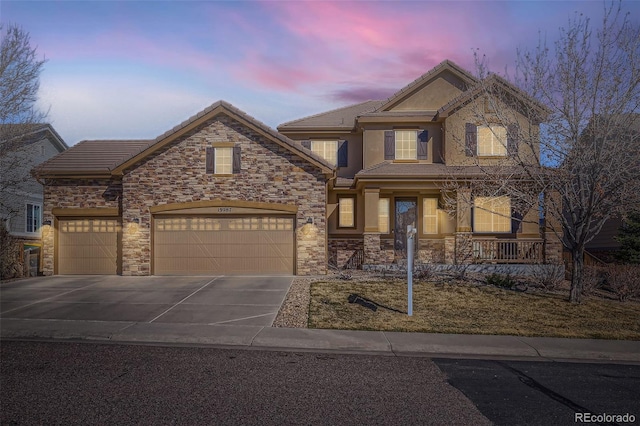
[(74, 194), (431, 251), (552, 248), (269, 174), (342, 249)]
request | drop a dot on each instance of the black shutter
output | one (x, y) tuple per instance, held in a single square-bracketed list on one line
[(306, 144), (343, 153), (236, 159), (516, 220), (512, 140), (423, 138), (471, 139), (211, 158), (389, 145)]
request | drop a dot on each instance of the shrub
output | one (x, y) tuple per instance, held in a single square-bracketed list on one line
[(499, 280), (10, 266), (424, 272), (548, 276), (593, 278), (624, 281)]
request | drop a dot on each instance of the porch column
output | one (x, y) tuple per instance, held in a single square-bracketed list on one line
[(463, 235), (372, 254)]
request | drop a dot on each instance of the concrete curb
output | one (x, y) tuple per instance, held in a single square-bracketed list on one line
[(345, 341)]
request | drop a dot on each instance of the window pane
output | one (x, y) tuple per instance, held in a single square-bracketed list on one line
[(406, 144), (430, 215), (492, 214), (223, 158), (383, 215), (326, 149), (492, 140), (346, 212)]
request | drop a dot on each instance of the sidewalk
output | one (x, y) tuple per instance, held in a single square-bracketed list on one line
[(343, 341)]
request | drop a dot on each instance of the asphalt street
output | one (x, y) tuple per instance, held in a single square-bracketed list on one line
[(546, 393), (85, 383)]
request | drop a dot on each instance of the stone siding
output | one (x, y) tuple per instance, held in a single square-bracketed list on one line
[(74, 194), (269, 174), (341, 250), (430, 251)]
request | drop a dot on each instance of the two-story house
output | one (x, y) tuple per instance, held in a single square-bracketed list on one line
[(401, 161), (223, 193), (21, 198)]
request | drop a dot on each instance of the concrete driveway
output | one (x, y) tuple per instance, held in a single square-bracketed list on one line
[(228, 300)]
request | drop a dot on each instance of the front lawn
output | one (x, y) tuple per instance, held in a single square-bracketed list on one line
[(469, 309)]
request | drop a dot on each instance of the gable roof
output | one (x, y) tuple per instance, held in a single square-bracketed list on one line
[(114, 157), (492, 82), (410, 88), (339, 119), (27, 133), (95, 157)]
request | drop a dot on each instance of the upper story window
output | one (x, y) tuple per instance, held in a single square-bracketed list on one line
[(326, 149), (335, 152), (223, 159), (34, 218), (405, 144), (492, 214), (490, 140), (223, 163), (346, 212)]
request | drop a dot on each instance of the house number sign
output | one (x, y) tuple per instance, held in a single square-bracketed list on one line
[(225, 209)]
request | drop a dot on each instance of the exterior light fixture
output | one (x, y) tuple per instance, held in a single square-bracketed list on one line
[(309, 220), (135, 220), (47, 223)]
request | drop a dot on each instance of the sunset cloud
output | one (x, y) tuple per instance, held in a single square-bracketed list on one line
[(135, 69)]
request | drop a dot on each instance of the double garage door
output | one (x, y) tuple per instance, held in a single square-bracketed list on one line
[(223, 245), (184, 245)]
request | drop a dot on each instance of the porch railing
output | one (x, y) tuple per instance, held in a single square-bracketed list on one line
[(493, 250)]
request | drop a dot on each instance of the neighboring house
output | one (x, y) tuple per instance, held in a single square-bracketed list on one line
[(396, 157), (223, 193), (21, 199)]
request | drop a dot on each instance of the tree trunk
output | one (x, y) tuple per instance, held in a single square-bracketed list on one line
[(577, 257)]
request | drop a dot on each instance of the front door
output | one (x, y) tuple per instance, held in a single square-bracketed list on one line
[(405, 214)]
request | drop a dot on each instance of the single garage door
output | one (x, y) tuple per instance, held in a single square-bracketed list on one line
[(87, 246), (223, 245)]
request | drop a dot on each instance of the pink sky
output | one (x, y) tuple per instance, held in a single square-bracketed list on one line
[(128, 69)]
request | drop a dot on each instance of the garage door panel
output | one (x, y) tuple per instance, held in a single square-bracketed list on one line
[(223, 245), (87, 246)]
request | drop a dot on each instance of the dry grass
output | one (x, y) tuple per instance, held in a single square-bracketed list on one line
[(470, 309)]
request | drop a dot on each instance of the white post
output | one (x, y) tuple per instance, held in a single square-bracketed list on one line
[(411, 232)]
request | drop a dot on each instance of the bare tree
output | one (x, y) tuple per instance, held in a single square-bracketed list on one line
[(20, 70), (585, 154)]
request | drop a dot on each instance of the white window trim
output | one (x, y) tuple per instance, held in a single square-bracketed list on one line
[(38, 224)]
